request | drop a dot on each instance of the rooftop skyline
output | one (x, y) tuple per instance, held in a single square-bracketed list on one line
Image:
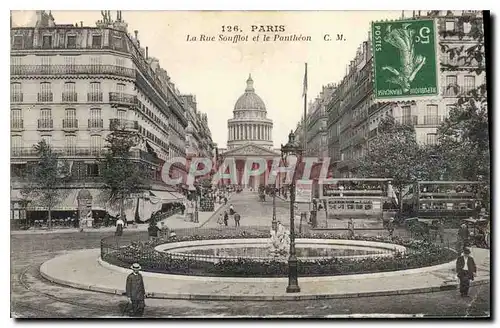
[(216, 72)]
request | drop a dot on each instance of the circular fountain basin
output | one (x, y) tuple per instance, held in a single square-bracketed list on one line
[(259, 249)]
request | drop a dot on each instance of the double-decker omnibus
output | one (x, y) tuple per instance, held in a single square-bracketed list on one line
[(351, 197), (444, 199)]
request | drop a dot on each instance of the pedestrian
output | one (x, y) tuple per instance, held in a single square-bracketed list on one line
[(220, 219), (390, 226), (135, 291), (231, 209), (441, 230), (463, 236), (226, 218), (350, 227), (225, 200), (119, 226), (466, 269), (237, 218), (183, 208)]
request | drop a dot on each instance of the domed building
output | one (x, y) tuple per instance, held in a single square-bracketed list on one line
[(249, 123), (250, 135)]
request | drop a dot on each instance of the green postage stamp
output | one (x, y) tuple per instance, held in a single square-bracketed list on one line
[(404, 59)]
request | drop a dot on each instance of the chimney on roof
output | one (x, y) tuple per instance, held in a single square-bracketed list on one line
[(136, 32), (146, 52), (81, 23)]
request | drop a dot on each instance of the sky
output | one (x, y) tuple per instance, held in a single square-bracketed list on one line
[(216, 72)]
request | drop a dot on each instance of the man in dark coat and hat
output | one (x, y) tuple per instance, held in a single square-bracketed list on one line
[(135, 291), (466, 269)]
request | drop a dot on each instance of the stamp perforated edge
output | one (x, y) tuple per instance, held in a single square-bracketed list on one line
[(413, 98)]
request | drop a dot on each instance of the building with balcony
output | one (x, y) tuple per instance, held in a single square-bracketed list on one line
[(72, 85), (199, 141), (354, 116)]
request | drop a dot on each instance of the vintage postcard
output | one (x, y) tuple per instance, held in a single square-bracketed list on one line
[(278, 164)]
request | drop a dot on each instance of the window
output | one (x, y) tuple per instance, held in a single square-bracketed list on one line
[(16, 142), (469, 83), (70, 144), (450, 26), (431, 116), (95, 120), (47, 42), (18, 42), (95, 94), (70, 62), (451, 83), (117, 42), (70, 118), (45, 114), (96, 41), (431, 138), (120, 88), (16, 60), (16, 119), (95, 143), (467, 27), (95, 63), (92, 170), (45, 92), (71, 42), (121, 114), (15, 92), (69, 92)]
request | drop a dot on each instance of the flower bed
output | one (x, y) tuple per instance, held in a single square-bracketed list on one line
[(418, 254)]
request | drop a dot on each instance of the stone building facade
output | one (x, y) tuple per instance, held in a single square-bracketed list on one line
[(72, 85)]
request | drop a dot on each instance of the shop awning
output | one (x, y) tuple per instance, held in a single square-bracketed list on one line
[(166, 197), (66, 202)]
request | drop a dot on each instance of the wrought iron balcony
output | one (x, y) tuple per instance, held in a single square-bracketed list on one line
[(16, 124), (452, 91), (62, 151), (70, 124), (16, 97), (45, 97), (94, 97), (121, 124), (433, 120), (407, 119), (45, 124), (23, 70), (95, 123), (123, 99), (69, 96)]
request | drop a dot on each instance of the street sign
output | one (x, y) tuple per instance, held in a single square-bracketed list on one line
[(304, 191)]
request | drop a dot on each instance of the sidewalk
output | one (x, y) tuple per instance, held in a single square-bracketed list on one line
[(175, 221), (83, 270)]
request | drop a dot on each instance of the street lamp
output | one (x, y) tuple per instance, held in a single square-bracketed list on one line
[(292, 148), (274, 223), (196, 186)]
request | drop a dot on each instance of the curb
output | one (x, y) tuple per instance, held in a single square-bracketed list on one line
[(211, 297)]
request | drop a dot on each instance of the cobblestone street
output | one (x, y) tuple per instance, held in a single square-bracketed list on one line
[(33, 296)]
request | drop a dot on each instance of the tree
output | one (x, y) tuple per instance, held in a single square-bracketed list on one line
[(44, 180), (121, 174), (394, 153), (464, 136)]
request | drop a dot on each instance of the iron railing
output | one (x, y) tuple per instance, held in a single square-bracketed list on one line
[(122, 99), (407, 120), (94, 97), (16, 97), (122, 124), (69, 96), (45, 123), (17, 124), (95, 123), (70, 123), (433, 120), (45, 97), (23, 70)]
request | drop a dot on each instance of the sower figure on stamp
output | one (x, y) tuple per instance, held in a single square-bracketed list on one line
[(466, 269), (135, 291)]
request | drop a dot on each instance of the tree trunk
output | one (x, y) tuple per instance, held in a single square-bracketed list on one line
[(49, 218), (122, 208)]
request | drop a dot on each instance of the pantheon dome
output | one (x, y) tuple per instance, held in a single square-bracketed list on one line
[(249, 123)]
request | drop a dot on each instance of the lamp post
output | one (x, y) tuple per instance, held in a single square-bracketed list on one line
[(196, 186), (274, 223), (292, 148)]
